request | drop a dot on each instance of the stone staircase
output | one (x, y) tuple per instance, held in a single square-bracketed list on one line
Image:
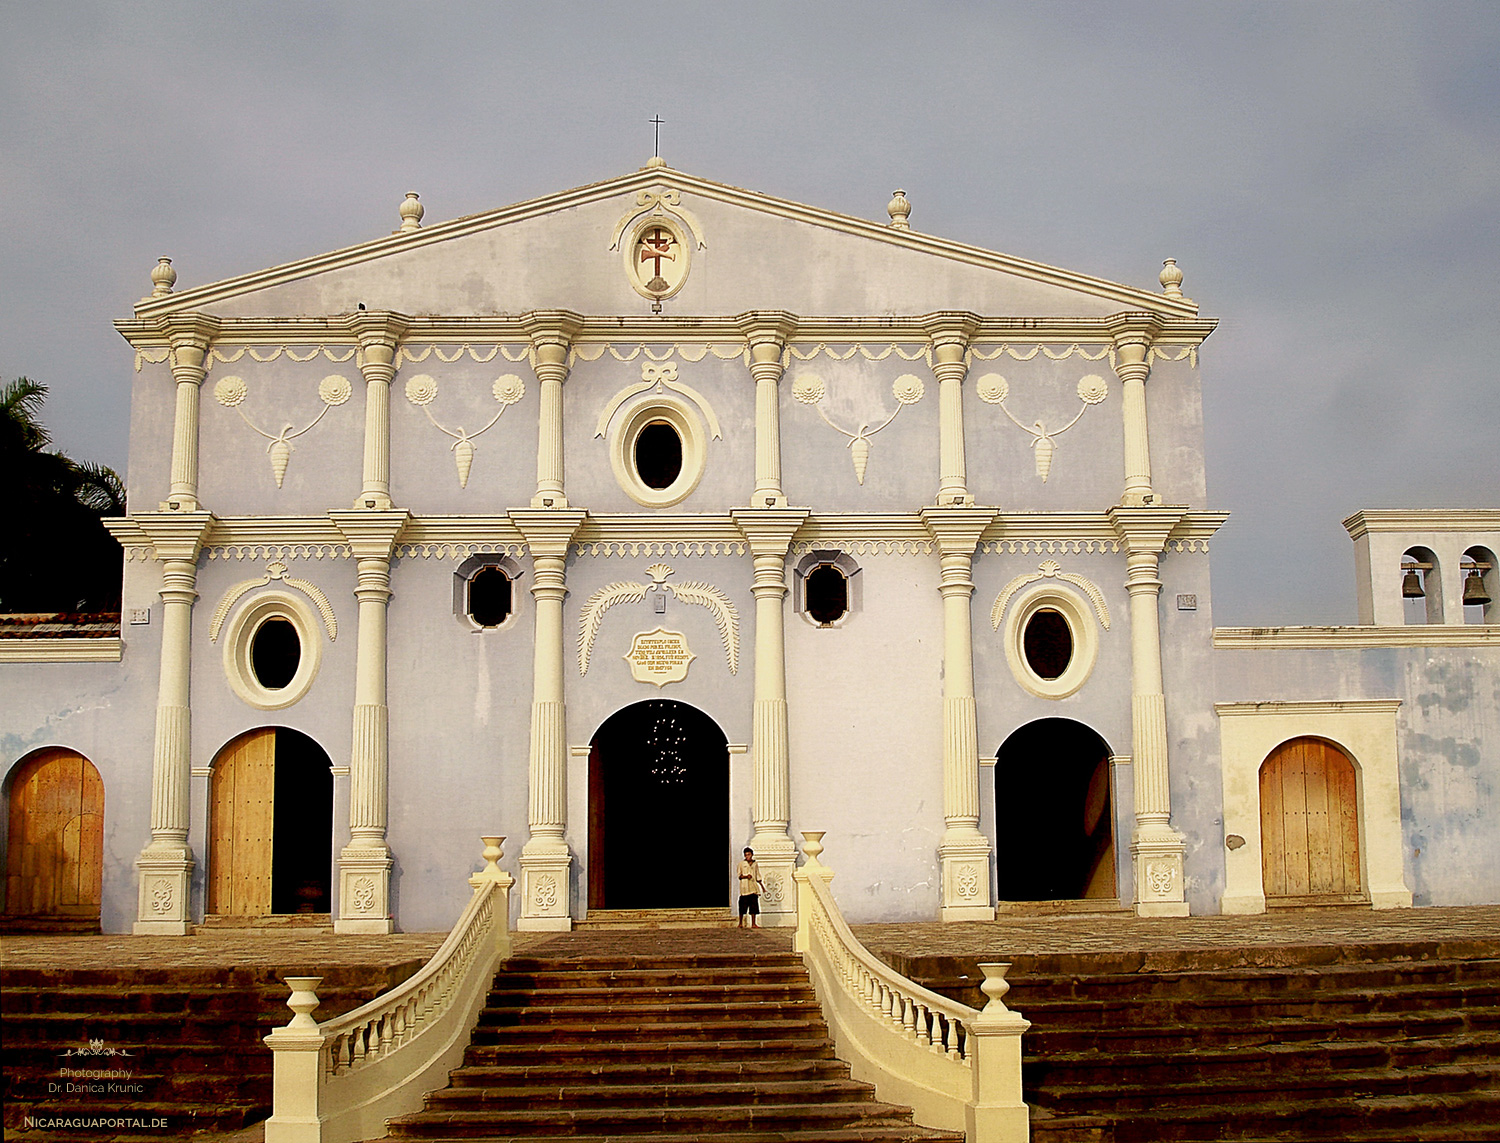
[(712, 1035), (180, 1049), (1356, 1044)]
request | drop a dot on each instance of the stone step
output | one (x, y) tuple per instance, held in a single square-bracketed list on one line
[(664, 1096), (705, 1120), (884, 1133), (670, 1031), (544, 1052), (665, 1010), (780, 990), (603, 919), (127, 1030), (780, 1067)]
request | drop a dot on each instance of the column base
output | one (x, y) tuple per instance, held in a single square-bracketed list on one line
[(1157, 853), (364, 891), (545, 866), (965, 861), (166, 886), (777, 857)]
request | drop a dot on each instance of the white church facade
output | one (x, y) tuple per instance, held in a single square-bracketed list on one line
[(657, 518)]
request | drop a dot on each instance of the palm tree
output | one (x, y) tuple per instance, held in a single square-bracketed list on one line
[(56, 555)]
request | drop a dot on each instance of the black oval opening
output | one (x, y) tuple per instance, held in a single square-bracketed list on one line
[(275, 654), (827, 594), (489, 597), (658, 455), (1048, 642)]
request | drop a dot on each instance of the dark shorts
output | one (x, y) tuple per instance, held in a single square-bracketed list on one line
[(750, 903)]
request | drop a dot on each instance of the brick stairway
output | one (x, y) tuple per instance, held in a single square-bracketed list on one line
[(712, 1034), (1357, 1044), (189, 1039)]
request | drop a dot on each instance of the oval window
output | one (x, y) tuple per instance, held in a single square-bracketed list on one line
[(1048, 643), (658, 455), (275, 654), (489, 597), (827, 594)]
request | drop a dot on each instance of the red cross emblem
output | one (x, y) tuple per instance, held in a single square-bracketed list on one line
[(656, 244)]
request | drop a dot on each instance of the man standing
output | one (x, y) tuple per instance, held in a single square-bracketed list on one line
[(750, 887)]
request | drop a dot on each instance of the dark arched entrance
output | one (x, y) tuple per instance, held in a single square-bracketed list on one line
[(1054, 818), (270, 825), (658, 787)]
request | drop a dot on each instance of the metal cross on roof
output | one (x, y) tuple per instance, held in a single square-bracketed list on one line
[(658, 121)]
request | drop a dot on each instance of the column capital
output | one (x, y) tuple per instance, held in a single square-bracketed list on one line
[(548, 531), (551, 327), (950, 328), (957, 530), (175, 535), (189, 335), (769, 530), (764, 327), (1147, 528), (1133, 334), (371, 533), (377, 329)]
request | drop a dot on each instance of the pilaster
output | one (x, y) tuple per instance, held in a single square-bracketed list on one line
[(950, 331), (379, 333), (545, 859), (1133, 334), (766, 334), (166, 863), (964, 852), (552, 333), (1157, 848), (365, 863), (770, 532), (189, 337)]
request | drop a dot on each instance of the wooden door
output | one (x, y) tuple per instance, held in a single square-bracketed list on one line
[(241, 821), (54, 859), (1309, 823)]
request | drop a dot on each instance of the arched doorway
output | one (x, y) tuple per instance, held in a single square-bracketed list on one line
[(270, 826), (54, 855), (659, 787), (1054, 814), (1309, 824)]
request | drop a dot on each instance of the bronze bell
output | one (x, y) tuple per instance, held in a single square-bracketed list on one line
[(1474, 592), (1411, 584)]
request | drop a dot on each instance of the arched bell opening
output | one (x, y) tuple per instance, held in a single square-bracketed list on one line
[(1054, 814), (658, 809), (54, 852), (270, 826)]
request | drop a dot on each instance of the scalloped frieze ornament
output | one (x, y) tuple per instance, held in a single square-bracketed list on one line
[(809, 389), (993, 389), (704, 595), (231, 392), (422, 390)]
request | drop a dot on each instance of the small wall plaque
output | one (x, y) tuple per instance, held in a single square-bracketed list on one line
[(659, 657), (1187, 603), (140, 615)]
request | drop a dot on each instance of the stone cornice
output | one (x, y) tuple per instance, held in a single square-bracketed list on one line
[(1422, 520), (1331, 706), (63, 650), (175, 535), (1128, 297), (335, 330), (371, 534), (1354, 638), (1147, 528)]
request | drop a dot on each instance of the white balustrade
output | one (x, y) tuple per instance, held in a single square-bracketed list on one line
[(958, 1068), (340, 1081)]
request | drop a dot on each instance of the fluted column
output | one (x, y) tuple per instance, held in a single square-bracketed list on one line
[(546, 897), (949, 333), (365, 863), (166, 863), (770, 531), (1133, 334), (190, 335), (964, 852), (552, 333), (379, 333), (1157, 848), (766, 333)]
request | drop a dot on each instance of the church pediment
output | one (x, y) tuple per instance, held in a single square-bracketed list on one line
[(661, 238)]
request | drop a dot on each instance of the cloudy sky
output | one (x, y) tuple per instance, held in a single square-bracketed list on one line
[(1326, 174)]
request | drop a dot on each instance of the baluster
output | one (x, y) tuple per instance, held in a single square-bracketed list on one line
[(887, 1003), (924, 1026), (955, 1050), (387, 1032), (911, 1019)]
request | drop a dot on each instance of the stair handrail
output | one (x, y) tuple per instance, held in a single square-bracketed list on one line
[(958, 1068), (339, 1081)]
